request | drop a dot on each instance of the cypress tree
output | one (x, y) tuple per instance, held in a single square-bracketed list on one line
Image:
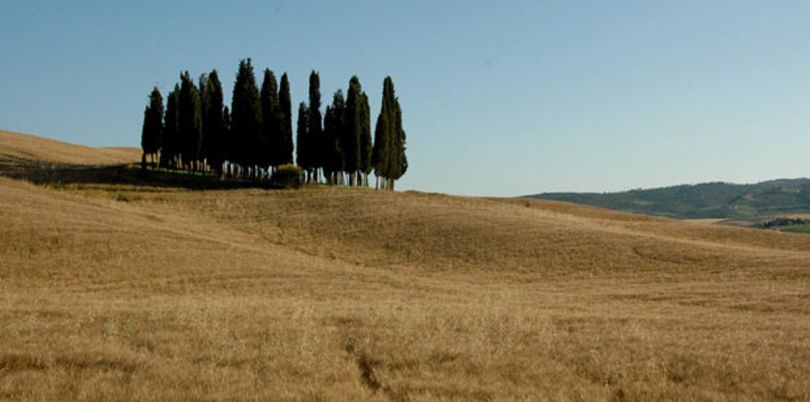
[(214, 123), (285, 106), (334, 125), (302, 134), (365, 138), (399, 162), (303, 151), (227, 140), (353, 129), (169, 140), (152, 125), (202, 88), (384, 134), (245, 116), (388, 158), (189, 122), (314, 128), (271, 120)]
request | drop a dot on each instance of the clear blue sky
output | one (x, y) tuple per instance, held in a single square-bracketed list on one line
[(499, 98)]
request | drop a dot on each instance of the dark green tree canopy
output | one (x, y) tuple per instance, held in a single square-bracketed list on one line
[(285, 106), (152, 123), (353, 119), (246, 116), (302, 135), (197, 131), (365, 134), (214, 140), (334, 125), (170, 140), (388, 156), (316, 139), (189, 120), (271, 120)]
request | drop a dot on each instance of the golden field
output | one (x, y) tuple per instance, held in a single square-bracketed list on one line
[(114, 289)]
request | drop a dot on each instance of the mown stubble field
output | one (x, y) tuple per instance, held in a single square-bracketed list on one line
[(149, 292)]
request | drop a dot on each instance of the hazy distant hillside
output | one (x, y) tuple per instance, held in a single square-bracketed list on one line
[(707, 200)]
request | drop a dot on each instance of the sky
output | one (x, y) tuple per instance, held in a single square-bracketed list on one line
[(500, 98)]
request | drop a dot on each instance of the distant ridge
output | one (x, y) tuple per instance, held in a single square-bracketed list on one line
[(716, 200)]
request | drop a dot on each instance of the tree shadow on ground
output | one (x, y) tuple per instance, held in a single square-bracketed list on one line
[(45, 173)]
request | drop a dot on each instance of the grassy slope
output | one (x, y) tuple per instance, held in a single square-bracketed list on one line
[(128, 291), (17, 146), (708, 200)]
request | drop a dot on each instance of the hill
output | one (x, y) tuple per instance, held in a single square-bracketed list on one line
[(700, 201), (120, 286), (34, 149)]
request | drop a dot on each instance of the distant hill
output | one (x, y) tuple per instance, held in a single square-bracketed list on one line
[(706, 200), (31, 148)]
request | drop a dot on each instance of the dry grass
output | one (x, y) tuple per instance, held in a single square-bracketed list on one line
[(132, 292), (40, 149)]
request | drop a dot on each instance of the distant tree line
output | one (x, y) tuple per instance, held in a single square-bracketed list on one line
[(196, 132)]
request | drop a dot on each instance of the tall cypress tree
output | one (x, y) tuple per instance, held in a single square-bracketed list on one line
[(214, 123), (271, 119), (152, 125), (227, 144), (384, 133), (302, 137), (245, 116), (202, 89), (334, 125), (189, 121), (303, 149), (170, 138), (314, 126), (388, 158), (399, 162), (285, 106), (365, 138), (351, 138)]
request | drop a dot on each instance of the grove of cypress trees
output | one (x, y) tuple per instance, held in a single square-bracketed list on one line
[(285, 107), (198, 131), (169, 143), (271, 120), (214, 123), (189, 122), (152, 126), (245, 116)]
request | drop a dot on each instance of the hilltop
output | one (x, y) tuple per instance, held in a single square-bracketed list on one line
[(120, 286), (706, 200)]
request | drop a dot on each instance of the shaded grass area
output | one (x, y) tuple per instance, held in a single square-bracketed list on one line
[(56, 174)]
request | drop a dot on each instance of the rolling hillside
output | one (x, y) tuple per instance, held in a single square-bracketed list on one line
[(707, 200), (120, 286)]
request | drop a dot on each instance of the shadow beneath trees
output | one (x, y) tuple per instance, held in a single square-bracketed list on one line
[(44, 173)]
